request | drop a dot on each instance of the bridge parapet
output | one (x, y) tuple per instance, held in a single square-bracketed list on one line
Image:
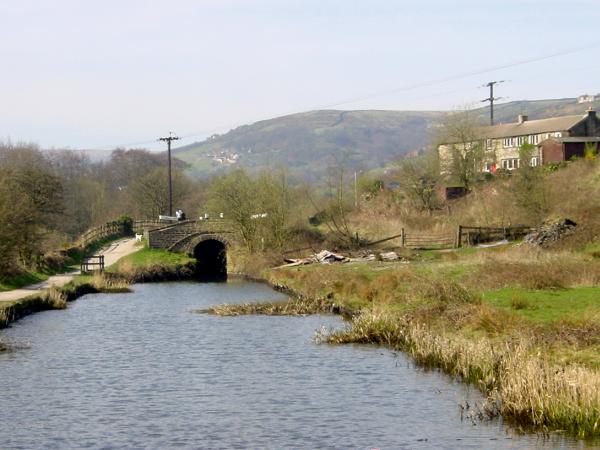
[(174, 237)]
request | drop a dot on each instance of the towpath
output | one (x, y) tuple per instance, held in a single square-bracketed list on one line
[(112, 253)]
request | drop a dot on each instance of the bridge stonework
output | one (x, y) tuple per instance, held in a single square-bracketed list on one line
[(183, 237)]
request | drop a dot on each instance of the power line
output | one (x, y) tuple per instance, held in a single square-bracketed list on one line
[(400, 89), (168, 140)]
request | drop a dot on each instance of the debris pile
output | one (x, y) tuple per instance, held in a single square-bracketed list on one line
[(550, 232), (323, 257), (389, 256), (327, 257)]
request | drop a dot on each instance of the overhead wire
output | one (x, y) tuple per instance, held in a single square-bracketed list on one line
[(377, 94)]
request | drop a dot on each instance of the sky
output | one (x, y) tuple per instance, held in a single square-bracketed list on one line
[(97, 75)]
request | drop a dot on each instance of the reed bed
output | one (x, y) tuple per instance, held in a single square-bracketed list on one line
[(520, 384), (109, 284), (296, 307)]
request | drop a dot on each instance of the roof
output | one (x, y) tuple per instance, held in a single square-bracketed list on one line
[(563, 123)]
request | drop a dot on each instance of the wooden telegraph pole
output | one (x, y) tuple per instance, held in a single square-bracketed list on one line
[(491, 98), (168, 141)]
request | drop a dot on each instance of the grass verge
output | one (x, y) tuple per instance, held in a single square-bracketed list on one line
[(534, 352)]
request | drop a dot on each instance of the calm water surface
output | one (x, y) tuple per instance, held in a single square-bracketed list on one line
[(142, 370)]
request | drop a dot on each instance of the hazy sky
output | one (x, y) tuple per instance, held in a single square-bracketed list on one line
[(85, 74)]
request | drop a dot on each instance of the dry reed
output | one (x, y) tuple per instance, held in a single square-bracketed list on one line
[(523, 385)]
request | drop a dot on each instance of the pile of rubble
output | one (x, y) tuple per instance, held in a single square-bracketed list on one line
[(327, 257), (550, 232)]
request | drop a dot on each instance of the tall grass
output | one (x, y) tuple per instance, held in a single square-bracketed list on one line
[(298, 307), (104, 283), (522, 385), (532, 269)]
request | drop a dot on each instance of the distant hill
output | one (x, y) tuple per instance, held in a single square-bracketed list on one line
[(307, 144)]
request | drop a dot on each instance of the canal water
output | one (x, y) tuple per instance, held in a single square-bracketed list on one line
[(143, 370)]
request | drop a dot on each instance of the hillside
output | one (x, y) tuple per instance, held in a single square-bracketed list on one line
[(307, 144)]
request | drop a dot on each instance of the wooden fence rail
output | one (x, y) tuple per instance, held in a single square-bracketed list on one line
[(116, 228), (103, 231), (93, 263), (464, 236), (476, 235)]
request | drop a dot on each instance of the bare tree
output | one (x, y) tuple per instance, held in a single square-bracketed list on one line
[(418, 177), (460, 147)]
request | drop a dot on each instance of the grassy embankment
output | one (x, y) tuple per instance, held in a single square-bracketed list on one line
[(521, 324), (143, 265), (54, 265)]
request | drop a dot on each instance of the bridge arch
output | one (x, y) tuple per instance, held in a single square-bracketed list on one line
[(210, 252)]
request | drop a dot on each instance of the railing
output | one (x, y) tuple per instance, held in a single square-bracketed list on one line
[(93, 263), (478, 235), (463, 236), (141, 225), (117, 228), (440, 240), (101, 232)]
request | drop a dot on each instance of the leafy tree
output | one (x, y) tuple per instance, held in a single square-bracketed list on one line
[(590, 152), (31, 202)]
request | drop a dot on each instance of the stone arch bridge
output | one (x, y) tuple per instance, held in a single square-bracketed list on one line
[(205, 240)]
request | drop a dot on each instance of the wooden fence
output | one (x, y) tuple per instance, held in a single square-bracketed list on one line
[(116, 228), (93, 263), (421, 240), (101, 232), (464, 236), (478, 235)]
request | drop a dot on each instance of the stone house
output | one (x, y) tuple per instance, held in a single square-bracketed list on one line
[(556, 139)]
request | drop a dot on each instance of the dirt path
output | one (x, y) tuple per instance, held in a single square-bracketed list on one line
[(112, 253)]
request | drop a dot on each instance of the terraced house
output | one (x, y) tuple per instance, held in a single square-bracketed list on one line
[(555, 139)]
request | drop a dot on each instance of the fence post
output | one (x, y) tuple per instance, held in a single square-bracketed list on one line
[(459, 236), (403, 237)]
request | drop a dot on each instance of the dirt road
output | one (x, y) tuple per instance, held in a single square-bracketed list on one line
[(112, 253)]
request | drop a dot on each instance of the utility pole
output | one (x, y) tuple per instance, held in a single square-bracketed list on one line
[(355, 190), (168, 141), (491, 98)]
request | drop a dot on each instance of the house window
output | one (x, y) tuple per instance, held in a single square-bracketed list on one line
[(507, 142), (488, 144), (557, 134), (534, 139), (520, 140), (489, 167), (510, 164), (535, 161)]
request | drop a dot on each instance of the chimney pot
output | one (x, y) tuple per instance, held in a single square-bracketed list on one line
[(523, 118)]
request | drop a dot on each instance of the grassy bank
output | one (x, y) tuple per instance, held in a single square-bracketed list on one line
[(522, 325), (142, 266), (57, 297), (148, 264), (55, 264)]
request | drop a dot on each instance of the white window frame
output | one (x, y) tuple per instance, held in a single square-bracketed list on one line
[(535, 161), (488, 144), (510, 163)]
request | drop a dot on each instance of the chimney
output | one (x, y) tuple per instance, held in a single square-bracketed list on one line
[(591, 122), (523, 118)]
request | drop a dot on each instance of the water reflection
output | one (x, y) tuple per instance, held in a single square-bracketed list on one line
[(141, 371)]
